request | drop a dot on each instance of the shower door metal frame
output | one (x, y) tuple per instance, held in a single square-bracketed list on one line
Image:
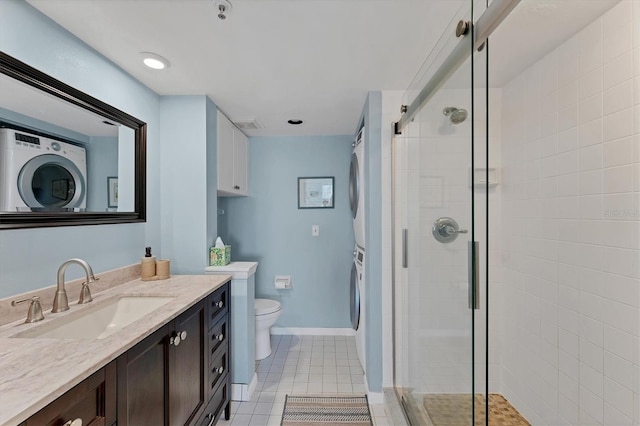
[(497, 11)]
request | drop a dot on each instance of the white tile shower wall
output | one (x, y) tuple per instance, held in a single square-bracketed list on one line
[(571, 229)]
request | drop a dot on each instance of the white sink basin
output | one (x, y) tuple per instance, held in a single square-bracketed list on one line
[(102, 321)]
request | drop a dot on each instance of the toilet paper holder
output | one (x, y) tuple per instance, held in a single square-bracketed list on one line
[(282, 282)]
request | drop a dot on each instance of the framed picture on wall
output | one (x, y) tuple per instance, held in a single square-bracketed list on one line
[(315, 193), (112, 191)]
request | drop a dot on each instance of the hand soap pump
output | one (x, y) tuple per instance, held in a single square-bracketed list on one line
[(148, 266)]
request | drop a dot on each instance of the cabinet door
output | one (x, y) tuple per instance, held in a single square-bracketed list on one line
[(240, 146), (142, 384), (187, 374), (93, 401), (225, 153)]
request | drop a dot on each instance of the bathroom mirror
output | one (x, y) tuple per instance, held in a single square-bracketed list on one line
[(61, 150)]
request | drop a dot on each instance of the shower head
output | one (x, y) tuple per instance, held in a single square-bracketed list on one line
[(456, 116)]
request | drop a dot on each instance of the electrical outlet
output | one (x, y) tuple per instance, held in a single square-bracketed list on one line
[(315, 230)]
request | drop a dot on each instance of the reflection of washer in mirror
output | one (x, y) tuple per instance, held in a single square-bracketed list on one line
[(446, 230)]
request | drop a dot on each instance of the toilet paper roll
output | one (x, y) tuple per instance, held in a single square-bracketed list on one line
[(282, 282), (163, 267)]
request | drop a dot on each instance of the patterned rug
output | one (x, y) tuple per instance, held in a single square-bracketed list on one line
[(455, 410), (325, 410)]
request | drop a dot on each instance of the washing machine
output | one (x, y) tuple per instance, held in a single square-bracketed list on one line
[(357, 302), (357, 188), (38, 173)]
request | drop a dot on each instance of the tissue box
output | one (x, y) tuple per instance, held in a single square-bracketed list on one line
[(219, 256)]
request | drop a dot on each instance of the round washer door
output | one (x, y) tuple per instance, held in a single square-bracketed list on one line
[(50, 181), (354, 297), (354, 185)]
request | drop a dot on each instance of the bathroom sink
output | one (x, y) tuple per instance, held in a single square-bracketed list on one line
[(99, 321)]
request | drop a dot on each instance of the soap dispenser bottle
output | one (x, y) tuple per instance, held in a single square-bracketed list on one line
[(148, 264)]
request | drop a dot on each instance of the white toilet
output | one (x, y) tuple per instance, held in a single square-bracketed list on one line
[(267, 312)]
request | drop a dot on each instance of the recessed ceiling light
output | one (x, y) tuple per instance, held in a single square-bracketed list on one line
[(154, 61), (295, 121)]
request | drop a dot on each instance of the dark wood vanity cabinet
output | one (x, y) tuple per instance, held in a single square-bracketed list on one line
[(178, 375), (167, 378), (161, 380), (93, 401), (218, 358)]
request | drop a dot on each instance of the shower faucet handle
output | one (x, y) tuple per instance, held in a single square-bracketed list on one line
[(451, 230), (446, 230)]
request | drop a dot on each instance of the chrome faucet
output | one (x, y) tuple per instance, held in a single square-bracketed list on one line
[(60, 301)]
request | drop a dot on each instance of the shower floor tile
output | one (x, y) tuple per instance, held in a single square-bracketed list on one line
[(455, 410)]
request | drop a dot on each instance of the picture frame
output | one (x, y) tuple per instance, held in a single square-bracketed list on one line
[(316, 192), (112, 191)]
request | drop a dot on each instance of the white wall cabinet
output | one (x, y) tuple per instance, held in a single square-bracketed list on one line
[(232, 159)]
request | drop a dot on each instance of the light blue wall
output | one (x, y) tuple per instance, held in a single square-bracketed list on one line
[(268, 227), (211, 176), (102, 162), (30, 258), (186, 126), (372, 115)]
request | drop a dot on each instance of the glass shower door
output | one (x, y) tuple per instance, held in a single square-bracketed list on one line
[(440, 227)]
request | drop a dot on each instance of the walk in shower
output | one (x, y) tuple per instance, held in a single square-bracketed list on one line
[(516, 219)]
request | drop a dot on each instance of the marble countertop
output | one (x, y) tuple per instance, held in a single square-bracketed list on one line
[(237, 270), (36, 371)]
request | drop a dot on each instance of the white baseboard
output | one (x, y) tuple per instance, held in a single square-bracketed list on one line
[(304, 331), (242, 391)]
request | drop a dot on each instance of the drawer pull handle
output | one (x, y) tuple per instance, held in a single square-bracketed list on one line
[(218, 370), (219, 337), (211, 417), (219, 304)]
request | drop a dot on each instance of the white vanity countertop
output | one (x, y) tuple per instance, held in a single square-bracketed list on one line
[(36, 371)]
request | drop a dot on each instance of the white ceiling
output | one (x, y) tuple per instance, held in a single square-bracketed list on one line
[(272, 60)]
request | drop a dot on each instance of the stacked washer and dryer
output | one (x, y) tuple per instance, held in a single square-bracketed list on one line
[(38, 173), (357, 285)]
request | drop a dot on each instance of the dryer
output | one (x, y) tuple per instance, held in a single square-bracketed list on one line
[(357, 188), (38, 173), (357, 303)]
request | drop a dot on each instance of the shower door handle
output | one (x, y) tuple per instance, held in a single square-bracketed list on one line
[(404, 248), (474, 278)]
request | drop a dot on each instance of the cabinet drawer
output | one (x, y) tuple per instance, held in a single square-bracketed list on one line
[(219, 366), (216, 405), (218, 304), (218, 335)]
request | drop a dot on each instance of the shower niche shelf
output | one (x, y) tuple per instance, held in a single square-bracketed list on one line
[(478, 178)]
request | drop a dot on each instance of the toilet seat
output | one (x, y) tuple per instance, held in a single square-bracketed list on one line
[(266, 306)]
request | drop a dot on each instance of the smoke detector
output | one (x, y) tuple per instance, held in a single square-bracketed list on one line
[(223, 6)]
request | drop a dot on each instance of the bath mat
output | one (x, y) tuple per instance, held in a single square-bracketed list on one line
[(326, 410), (455, 410)]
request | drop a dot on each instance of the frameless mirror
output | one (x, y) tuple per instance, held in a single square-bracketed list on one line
[(66, 158)]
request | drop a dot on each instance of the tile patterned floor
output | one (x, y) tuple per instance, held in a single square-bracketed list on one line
[(302, 365)]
